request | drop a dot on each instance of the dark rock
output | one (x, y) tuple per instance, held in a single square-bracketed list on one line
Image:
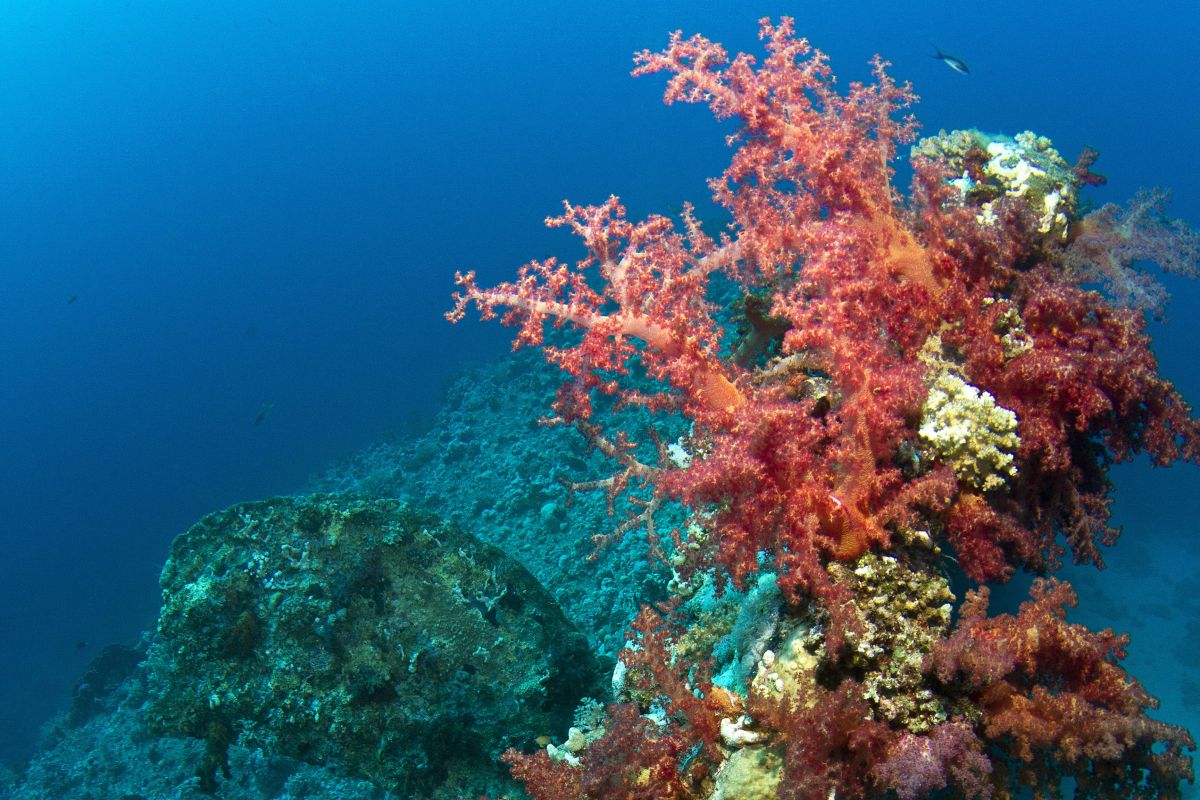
[(106, 672)]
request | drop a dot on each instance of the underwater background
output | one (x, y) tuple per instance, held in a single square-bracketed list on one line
[(230, 230)]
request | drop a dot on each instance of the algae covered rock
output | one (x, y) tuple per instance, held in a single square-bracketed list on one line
[(362, 633)]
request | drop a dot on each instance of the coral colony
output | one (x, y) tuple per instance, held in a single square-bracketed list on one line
[(900, 379)]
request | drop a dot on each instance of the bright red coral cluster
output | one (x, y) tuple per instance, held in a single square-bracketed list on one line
[(805, 408)]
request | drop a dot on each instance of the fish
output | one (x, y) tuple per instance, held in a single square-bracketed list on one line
[(262, 413), (72, 299), (956, 64)]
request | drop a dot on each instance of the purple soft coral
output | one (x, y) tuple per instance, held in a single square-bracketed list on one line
[(918, 766), (1112, 239)]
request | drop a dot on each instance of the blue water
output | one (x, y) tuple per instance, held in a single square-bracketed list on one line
[(210, 207)]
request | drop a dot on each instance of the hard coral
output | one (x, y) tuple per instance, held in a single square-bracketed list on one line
[(359, 632), (965, 428)]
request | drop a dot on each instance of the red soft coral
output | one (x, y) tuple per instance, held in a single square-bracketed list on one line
[(692, 699), (544, 778), (950, 755), (772, 470), (652, 291), (1056, 700), (798, 132), (828, 739), (1086, 392), (634, 759)]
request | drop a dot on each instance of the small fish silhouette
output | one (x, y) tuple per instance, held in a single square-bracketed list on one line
[(72, 299), (262, 413), (956, 64)]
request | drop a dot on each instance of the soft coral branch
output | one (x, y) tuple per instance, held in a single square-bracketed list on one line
[(653, 283), (1108, 242), (1054, 697), (798, 131)]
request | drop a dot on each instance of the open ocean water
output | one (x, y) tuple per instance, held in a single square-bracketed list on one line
[(228, 236)]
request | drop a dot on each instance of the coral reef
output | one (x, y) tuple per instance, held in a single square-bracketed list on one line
[(344, 630), (101, 749), (915, 372), (820, 419), (515, 498)]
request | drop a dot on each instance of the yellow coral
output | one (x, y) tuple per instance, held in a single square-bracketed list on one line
[(754, 773), (1026, 166), (965, 428)]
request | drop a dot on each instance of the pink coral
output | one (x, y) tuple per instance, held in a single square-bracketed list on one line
[(798, 131), (918, 766), (653, 278)]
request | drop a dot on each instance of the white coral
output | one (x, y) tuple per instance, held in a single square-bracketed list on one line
[(965, 428), (734, 734)]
